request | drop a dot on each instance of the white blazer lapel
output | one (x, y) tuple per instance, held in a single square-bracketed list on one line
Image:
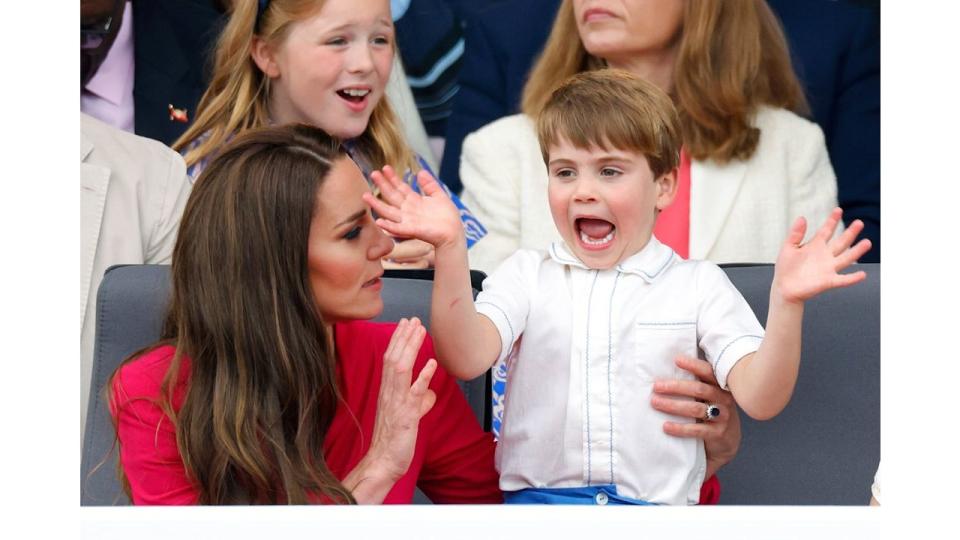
[(94, 180), (713, 190)]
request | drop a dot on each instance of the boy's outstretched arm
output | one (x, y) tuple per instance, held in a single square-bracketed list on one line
[(762, 382), (467, 343)]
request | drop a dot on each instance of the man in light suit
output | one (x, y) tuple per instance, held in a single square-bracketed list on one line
[(132, 193)]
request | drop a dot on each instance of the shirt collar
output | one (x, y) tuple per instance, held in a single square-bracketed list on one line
[(648, 263), (113, 80)]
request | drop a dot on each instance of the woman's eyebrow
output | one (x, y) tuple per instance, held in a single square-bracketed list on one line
[(359, 214)]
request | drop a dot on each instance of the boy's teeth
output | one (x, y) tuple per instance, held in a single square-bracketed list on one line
[(594, 242)]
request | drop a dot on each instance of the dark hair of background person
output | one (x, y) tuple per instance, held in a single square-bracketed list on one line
[(262, 390)]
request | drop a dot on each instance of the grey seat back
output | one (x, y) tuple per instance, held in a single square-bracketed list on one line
[(823, 449), (131, 304)]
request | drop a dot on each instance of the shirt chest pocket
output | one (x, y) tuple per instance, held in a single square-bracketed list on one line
[(657, 345)]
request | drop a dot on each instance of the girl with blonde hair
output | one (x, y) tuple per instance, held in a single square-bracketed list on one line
[(324, 63)]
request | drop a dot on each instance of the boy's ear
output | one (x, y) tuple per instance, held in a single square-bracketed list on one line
[(666, 189), (264, 58)]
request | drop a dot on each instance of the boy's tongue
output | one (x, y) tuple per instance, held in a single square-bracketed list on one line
[(595, 228)]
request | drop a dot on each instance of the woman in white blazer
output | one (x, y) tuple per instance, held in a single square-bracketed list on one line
[(755, 163)]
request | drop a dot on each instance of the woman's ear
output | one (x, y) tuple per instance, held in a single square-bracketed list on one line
[(264, 57), (666, 189)]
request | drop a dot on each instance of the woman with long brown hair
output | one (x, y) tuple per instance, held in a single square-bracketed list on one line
[(269, 386)]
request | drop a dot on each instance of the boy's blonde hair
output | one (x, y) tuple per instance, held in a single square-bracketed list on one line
[(236, 99), (612, 108), (732, 58)]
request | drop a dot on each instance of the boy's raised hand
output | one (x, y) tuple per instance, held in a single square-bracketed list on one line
[(431, 217), (804, 271)]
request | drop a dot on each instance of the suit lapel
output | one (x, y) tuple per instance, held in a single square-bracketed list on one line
[(713, 190), (94, 180)]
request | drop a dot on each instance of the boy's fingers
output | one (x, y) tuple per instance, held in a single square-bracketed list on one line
[(797, 230), (853, 254), (384, 210), (846, 280), (846, 239), (830, 225), (428, 184)]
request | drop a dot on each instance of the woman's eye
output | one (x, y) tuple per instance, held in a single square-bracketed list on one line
[(352, 233), (337, 41)]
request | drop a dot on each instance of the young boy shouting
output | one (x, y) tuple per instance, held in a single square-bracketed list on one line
[(602, 315)]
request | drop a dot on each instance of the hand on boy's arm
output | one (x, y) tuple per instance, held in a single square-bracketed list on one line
[(721, 436), (763, 382)]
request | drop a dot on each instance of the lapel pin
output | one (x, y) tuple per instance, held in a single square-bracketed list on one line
[(178, 115)]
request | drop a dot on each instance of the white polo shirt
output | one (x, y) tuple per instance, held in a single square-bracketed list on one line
[(577, 406)]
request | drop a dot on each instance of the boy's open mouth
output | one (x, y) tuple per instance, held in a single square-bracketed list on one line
[(594, 232)]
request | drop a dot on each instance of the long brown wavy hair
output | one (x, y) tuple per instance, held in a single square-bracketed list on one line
[(732, 58), (237, 97), (261, 391)]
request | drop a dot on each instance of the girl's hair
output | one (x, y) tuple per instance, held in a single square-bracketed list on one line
[(238, 94), (613, 108), (732, 58), (261, 390)]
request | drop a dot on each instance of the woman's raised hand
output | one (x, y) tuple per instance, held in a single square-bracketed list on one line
[(401, 405), (804, 271), (431, 217)]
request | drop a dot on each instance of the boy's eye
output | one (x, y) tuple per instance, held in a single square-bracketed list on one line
[(609, 171), (564, 173), (352, 233)]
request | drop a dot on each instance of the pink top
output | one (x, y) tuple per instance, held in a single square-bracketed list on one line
[(108, 95), (452, 462), (673, 225)]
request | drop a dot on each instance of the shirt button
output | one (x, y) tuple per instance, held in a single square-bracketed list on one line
[(601, 498)]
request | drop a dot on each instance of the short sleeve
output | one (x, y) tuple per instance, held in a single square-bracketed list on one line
[(727, 329), (507, 295)]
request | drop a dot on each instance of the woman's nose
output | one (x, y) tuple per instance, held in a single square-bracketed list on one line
[(382, 245)]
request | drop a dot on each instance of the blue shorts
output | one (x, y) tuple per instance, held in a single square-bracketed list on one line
[(599, 495)]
